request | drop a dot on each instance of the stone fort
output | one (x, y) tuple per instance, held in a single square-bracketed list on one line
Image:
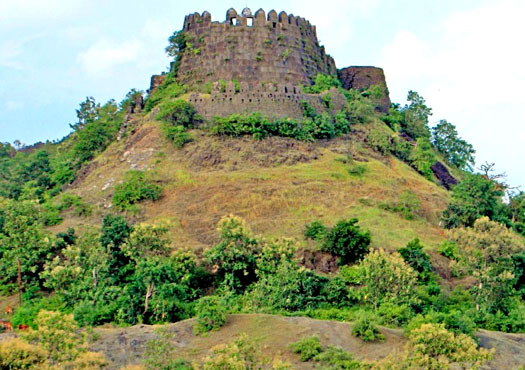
[(259, 63)]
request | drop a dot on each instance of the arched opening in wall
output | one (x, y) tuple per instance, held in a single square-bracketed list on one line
[(274, 24), (249, 22), (285, 90), (188, 26), (294, 91), (233, 21)]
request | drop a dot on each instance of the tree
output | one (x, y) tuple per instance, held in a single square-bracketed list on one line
[(474, 197), (416, 115), (23, 239), (347, 241), (387, 278), (235, 256), (88, 112), (422, 157), (486, 251), (455, 150), (115, 232)]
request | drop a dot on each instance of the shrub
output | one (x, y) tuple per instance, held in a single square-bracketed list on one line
[(347, 241), (236, 355), (307, 348), (394, 314), (177, 134), (210, 314), (417, 259), (422, 157), (161, 354), (315, 231), (177, 112), (16, 353), (335, 358), (290, 288), (449, 249), (322, 83), (365, 329), (134, 189), (431, 346), (387, 278), (380, 141)]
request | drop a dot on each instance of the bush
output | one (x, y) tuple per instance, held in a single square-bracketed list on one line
[(449, 249), (238, 354), (347, 241), (380, 141), (323, 126), (16, 353), (210, 314), (315, 231), (177, 134), (365, 329), (422, 157), (431, 346), (322, 83), (161, 354), (290, 288), (307, 348), (417, 259), (335, 358), (397, 315), (387, 278), (178, 112), (134, 189)]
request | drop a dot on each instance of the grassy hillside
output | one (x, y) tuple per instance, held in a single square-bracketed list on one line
[(273, 335), (277, 184)]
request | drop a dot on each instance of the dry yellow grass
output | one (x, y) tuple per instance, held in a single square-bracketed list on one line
[(278, 185)]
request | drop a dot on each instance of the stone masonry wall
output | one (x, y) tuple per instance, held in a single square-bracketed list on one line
[(252, 48), (358, 78)]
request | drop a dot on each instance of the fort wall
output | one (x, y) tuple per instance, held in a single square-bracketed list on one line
[(253, 48), (361, 77)]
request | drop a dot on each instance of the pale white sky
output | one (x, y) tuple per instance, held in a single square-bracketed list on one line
[(466, 58)]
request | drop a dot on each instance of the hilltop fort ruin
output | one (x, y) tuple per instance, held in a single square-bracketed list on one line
[(259, 63)]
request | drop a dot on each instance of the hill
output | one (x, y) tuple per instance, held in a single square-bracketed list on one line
[(274, 334)]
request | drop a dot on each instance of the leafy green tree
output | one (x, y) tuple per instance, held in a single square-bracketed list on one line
[(22, 239), (235, 256), (486, 250), (516, 211), (387, 278), (96, 129), (347, 241), (455, 150), (416, 114), (87, 113), (422, 157), (115, 232), (417, 259), (290, 288), (474, 197)]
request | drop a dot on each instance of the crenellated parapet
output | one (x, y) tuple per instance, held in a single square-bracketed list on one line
[(252, 47)]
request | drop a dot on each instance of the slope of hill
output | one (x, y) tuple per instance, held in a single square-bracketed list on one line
[(277, 184), (273, 335)]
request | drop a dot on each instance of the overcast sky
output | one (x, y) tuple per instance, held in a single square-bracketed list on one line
[(466, 58)]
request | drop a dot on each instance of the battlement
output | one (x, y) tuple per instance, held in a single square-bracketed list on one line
[(248, 19), (254, 48)]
